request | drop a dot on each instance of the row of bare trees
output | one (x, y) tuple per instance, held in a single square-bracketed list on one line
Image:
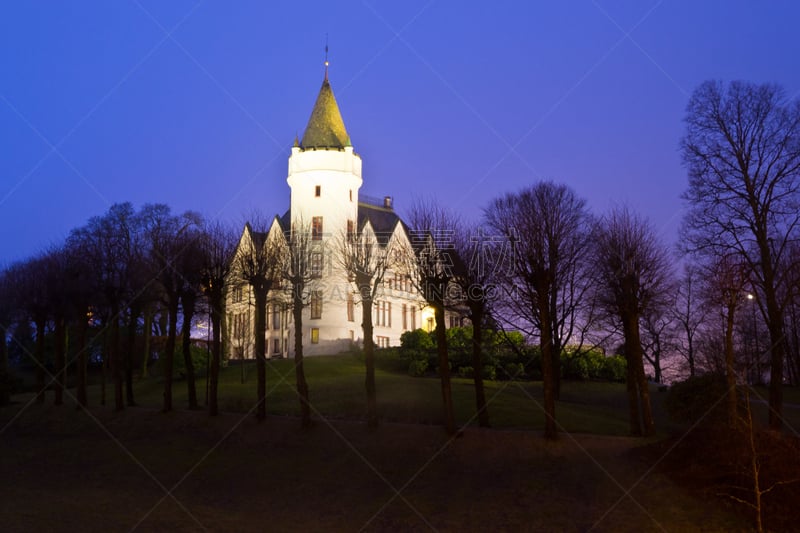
[(118, 278)]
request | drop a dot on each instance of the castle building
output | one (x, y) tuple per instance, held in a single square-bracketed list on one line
[(324, 177)]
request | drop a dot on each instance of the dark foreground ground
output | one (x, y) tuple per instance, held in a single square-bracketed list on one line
[(142, 470)]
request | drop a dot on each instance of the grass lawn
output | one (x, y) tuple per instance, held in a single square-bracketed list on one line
[(140, 469), (336, 385)]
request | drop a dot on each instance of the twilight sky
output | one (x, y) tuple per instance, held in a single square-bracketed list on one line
[(196, 104)]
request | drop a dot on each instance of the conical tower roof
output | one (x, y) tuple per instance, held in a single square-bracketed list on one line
[(325, 128)]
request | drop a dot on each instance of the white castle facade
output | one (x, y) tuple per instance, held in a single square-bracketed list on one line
[(324, 178)]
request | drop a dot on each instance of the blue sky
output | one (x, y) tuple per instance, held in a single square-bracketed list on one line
[(196, 104)]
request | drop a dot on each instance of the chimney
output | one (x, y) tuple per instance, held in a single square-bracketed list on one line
[(387, 202)]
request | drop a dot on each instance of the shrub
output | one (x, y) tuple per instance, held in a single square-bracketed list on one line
[(698, 398), (416, 345), (466, 372), (417, 368), (200, 358), (489, 372), (614, 368), (514, 371)]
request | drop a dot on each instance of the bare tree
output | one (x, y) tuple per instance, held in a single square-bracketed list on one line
[(689, 315), (433, 244), (165, 234), (218, 246), (548, 228), (473, 261), (365, 261), (633, 276), (258, 262), (303, 262), (724, 287), (742, 151)]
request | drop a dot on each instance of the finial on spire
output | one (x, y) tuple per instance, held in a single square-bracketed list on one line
[(326, 57)]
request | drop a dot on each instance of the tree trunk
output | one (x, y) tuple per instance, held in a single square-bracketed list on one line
[(260, 349), (548, 372), (38, 355), (730, 372), (477, 365), (216, 350), (60, 359), (5, 378), (369, 361), (129, 351), (188, 301), (776, 338), (116, 360), (147, 333), (631, 384), (637, 359), (169, 349), (302, 385), (80, 392), (444, 369)]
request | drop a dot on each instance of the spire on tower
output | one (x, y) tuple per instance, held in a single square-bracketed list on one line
[(326, 56)]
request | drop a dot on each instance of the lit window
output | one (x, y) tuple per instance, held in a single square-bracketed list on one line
[(318, 191), (316, 304), (314, 335), (316, 228), (316, 263)]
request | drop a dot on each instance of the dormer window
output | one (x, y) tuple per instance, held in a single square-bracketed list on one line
[(318, 191)]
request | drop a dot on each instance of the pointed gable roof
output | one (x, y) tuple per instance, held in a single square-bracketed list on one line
[(325, 128)]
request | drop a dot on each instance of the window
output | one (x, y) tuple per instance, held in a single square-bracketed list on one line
[(350, 308), (269, 315), (238, 294), (276, 346), (351, 195), (316, 263), (413, 317), (276, 317), (351, 231), (314, 335), (316, 304), (318, 191), (316, 228), (454, 322), (430, 324), (383, 314), (405, 318), (382, 342)]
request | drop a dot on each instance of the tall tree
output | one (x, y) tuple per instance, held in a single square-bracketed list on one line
[(548, 228), (365, 261), (633, 276), (258, 262), (742, 153), (218, 247)]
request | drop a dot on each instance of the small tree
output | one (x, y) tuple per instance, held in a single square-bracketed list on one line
[(303, 261), (365, 262), (218, 246), (258, 263), (432, 241)]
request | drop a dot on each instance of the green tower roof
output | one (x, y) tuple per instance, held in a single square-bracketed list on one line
[(325, 128)]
